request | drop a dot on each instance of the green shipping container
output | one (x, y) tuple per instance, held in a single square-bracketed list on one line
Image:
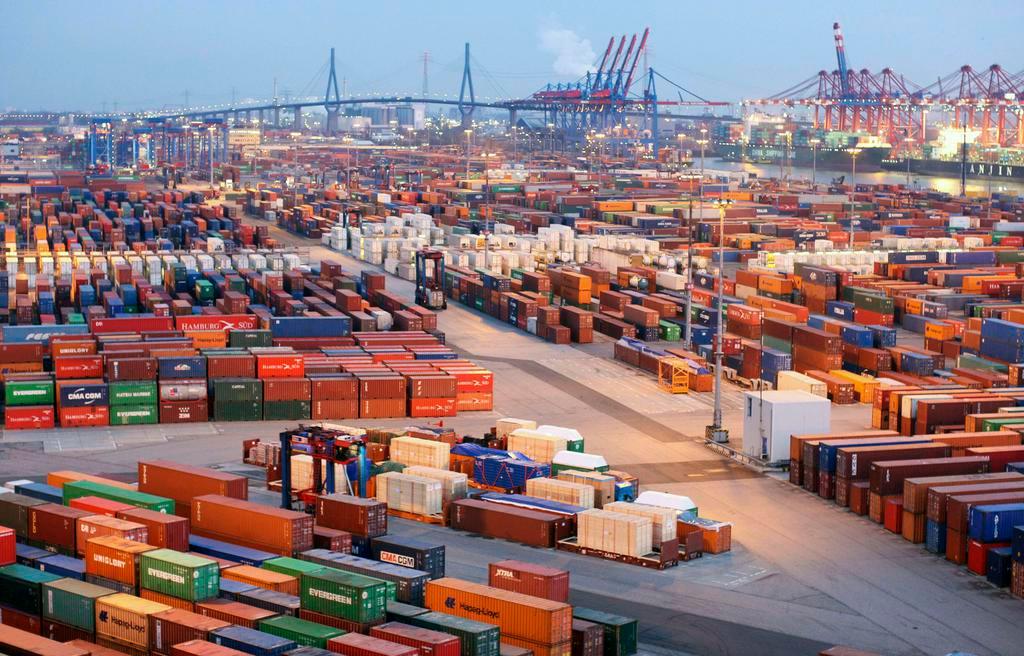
[(28, 392), (343, 594), (132, 415), (286, 410), (237, 389), (180, 575), (477, 638), (669, 331), (620, 634), (291, 566), (250, 338), (131, 497), (21, 587), (238, 411), (400, 612), (72, 602), (133, 392), (204, 290), (301, 632)]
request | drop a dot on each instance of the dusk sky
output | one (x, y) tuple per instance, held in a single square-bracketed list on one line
[(145, 55)]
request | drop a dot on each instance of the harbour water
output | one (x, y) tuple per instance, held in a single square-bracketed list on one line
[(945, 184)]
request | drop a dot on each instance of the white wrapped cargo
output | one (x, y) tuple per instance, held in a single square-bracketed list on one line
[(663, 519), (676, 502), (536, 445), (629, 535), (411, 494), (413, 451), (576, 460), (454, 485), (576, 494)]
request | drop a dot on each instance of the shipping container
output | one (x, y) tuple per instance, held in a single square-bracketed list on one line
[(124, 619), (115, 559), (86, 488), (252, 525), (72, 602), (476, 638), (620, 633), (200, 648), (94, 526), (276, 602), (366, 517), (251, 641), (165, 531), (17, 642), (184, 482), (518, 616), (264, 578), (513, 523), (55, 528), (409, 584), (527, 578), (427, 642), (355, 644), (218, 549), (179, 574), (344, 594), (21, 587), (302, 632), (410, 553), (234, 612)]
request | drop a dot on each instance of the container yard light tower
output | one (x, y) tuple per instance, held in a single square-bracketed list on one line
[(716, 432)]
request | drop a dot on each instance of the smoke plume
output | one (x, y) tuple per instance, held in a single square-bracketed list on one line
[(574, 55)]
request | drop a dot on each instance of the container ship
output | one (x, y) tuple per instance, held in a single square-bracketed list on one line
[(953, 168), (869, 159)]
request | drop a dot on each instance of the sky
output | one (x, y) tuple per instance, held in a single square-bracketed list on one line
[(107, 55)]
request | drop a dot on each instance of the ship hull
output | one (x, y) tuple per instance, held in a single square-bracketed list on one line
[(952, 169), (869, 160)]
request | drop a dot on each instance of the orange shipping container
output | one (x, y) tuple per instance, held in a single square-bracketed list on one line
[(252, 525), (95, 526), (173, 602), (263, 578), (114, 558), (183, 482), (517, 615), (124, 619), (58, 478)]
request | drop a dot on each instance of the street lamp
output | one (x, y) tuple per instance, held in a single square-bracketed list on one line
[(814, 141), (715, 432), (853, 188)]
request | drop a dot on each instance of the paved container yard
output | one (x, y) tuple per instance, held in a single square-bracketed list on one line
[(802, 574)]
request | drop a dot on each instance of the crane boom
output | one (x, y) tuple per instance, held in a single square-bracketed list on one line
[(604, 60), (844, 80), (636, 57), (622, 67), (611, 69)]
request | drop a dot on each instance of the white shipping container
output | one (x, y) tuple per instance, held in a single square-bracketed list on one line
[(770, 418)]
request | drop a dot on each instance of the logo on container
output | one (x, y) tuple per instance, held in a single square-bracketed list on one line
[(107, 560), (330, 596), (506, 574), (81, 394), (166, 576), (397, 559)]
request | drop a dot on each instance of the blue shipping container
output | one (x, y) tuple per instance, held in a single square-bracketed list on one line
[(182, 367), (66, 566), (226, 551), (80, 396), (310, 326), (994, 523), (22, 334), (251, 641), (47, 493)]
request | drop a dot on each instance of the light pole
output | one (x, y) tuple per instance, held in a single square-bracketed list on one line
[(469, 134), (785, 158), (679, 153), (814, 141), (715, 432), (853, 189)]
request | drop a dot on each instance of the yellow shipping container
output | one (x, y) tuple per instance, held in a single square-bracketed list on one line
[(124, 618), (863, 386), (206, 339), (614, 206), (940, 331)]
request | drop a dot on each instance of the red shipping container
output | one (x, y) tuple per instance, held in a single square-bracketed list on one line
[(201, 648), (977, 555), (338, 622), (286, 389), (19, 620), (29, 416), (165, 531), (252, 525), (530, 579), (335, 409), (279, 365), (428, 642), (892, 513), (231, 366), (93, 415), (55, 525), (382, 408), (367, 517), (335, 388), (234, 612), (426, 407), (98, 506), (131, 368), (94, 526), (60, 632), (175, 626), (332, 539), (8, 546), (356, 644), (183, 482), (82, 366), (183, 412), (998, 456)]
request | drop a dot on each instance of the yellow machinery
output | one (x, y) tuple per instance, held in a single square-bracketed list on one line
[(674, 375)]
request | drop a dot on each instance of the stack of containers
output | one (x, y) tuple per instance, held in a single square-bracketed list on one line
[(113, 562), (344, 600), (409, 584), (524, 621), (334, 397), (177, 579), (286, 398), (364, 519), (381, 396), (133, 390), (991, 529), (83, 403), (29, 403), (237, 399), (182, 390)]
